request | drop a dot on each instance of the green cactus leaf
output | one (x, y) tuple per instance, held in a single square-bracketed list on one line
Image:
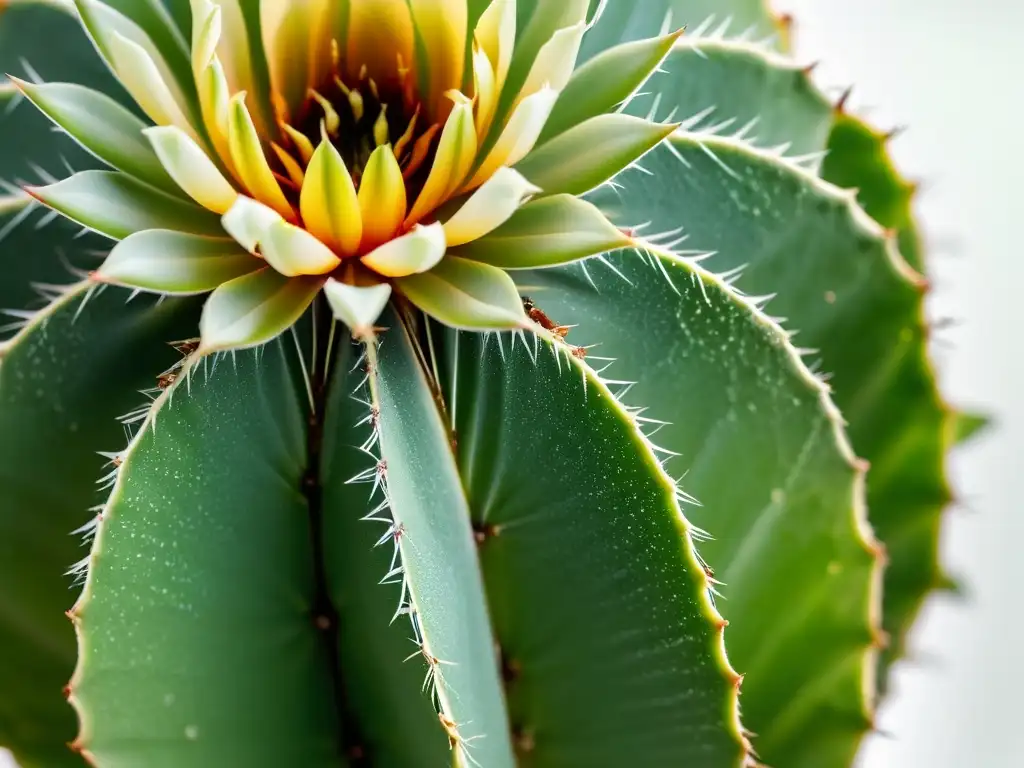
[(64, 380), (762, 450), (844, 287), (103, 127), (431, 529), (117, 205), (740, 87), (547, 504), (604, 82), (904, 430), (969, 425), (395, 719), (466, 294), (546, 232), (197, 639), (858, 158), (168, 262), (626, 20), (591, 153), (907, 508)]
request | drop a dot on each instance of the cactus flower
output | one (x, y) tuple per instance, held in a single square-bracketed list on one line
[(453, 523), (388, 151)]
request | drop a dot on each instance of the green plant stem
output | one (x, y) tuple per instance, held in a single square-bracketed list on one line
[(324, 613)]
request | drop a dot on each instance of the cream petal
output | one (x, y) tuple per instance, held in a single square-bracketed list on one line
[(519, 135), (453, 161), (358, 306), (418, 251), (293, 251), (191, 168), (248, 221), (489, 207)]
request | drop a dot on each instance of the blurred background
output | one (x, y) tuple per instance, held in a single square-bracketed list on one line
[(950, 72)]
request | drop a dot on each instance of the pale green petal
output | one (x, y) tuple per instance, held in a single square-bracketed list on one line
[(161, 261), (117, 205), (138, 64), (606, 81), (544, 233), (587, 156), (101, 126), (253, 309), (466, 294)]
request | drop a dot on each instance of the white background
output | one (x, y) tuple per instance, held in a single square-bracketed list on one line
[(951, 71)]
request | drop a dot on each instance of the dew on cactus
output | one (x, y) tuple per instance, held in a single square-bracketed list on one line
[(464, 402)]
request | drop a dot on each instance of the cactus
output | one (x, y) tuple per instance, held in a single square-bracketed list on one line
[(473, 424)]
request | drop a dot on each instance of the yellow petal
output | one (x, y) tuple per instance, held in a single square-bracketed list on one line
[(496, 35), (302, 143), (228, 39), (411, 254), (329, 203), (291, 165), (379, 32), (358, 306), (489, 207), (250, 161), (248, 221), (485, 92), (519, 135), (214, 101), (141, 77), (455, 155), (556, 61), (206, 31), (441, 25), (192, 168), (293, 251), (382, 198), (286, 41)]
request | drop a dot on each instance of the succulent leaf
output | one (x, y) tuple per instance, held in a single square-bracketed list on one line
[(385, 675), (64, 381), (847, 291), (762, 449), (589, 481), (735, 87), (625, 20), (905, 429), (432, 532), (218, 660), (858, 159)]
